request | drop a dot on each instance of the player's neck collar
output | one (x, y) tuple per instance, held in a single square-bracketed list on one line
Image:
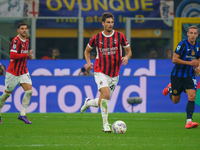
[(191, 43), (21, 39), (108, 35)]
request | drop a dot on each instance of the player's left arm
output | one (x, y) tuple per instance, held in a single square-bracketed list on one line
[(197, 69), (30, 54), (127, 56)]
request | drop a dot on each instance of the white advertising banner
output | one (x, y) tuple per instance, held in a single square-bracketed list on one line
[(11, 8)]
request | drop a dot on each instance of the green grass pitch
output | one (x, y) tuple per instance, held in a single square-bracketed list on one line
[(62, 131)]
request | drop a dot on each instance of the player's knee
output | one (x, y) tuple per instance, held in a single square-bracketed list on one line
[(107, 96), (175, 100), (192, 97)]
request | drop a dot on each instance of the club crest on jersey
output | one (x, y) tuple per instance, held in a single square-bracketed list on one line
[(101, 82), (175, 91), (193, 53), (115, 41), (197, 49)]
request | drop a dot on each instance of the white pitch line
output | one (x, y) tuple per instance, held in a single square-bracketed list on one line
[(59, 145)]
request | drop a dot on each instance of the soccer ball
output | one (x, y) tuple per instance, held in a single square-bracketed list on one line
[(119, 127)]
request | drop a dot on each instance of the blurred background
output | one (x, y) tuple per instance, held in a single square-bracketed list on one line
[(67, 25)]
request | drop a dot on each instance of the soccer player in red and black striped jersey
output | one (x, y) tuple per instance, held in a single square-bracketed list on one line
[(108, 61), (17, 72)]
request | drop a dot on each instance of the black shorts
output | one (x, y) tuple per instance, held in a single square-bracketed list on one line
[(180, 84)]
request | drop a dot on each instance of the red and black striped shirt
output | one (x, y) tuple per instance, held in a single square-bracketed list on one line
[(18, 56), (109, 52)]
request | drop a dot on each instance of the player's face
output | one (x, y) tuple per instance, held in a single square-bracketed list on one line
[(22, 31), (108, 24), (192, 35)]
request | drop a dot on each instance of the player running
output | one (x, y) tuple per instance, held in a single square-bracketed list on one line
[(17, 72), (186, 57), (107, 64)]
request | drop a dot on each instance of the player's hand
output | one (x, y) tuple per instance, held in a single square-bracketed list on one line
[(197, 70), (30, 54), (2, 68), (90, 66), (124, 60), (194, 63)]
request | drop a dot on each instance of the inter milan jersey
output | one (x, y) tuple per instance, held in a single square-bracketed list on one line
[(187, 52), (18, 56), (109, 52)]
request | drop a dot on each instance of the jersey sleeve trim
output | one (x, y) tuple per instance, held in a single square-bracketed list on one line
[(126, 46), (90, 46), (13, 51)]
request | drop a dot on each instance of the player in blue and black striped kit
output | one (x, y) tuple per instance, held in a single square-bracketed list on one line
[(187, 62)]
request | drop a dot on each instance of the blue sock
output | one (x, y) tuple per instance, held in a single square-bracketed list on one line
[(190, 109)]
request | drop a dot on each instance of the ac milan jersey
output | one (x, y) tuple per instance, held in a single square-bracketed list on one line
[(187, 52), (18, 56), (109, 52)]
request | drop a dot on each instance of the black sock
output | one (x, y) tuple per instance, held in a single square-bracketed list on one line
[(190, 109), (170, 93)]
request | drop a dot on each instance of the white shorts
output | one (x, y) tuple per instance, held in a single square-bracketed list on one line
[(11, 81), (103, 80)]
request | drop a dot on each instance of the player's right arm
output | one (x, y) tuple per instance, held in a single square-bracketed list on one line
[(89, 47), (178, 52), (176, 59), (87, 57)]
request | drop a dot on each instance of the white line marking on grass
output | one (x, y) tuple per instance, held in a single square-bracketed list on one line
[(62, 145), (89, 117), (34, 145)]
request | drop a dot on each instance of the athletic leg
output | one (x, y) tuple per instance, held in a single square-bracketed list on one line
[(26, 83), (27, 97), (103, 101), (190, 109), (3, 98), (11, 82)]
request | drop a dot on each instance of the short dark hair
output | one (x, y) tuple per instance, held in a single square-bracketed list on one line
[(107, 15), (21, 24)]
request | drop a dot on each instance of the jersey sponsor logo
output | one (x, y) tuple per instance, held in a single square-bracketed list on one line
[(192, 57), (188, 49), (108, 51)]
